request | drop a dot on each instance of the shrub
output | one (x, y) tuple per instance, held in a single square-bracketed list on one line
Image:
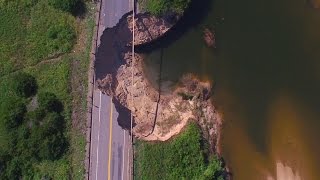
[(159, 7), (51, 124), (49, 102), (61, 36), (36, 116), (47, 136), (2, 166), (64, 5), (14, 114), (13, 170), (214, 170), (25, 85), (180, 158), (52, 147), (180, 5)]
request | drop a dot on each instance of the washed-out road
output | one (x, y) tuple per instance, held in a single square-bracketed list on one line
[(110, 144)]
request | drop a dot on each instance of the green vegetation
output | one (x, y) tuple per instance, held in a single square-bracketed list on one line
[(32, 32), (50, 102), (159, 7), (37, 90), (12, 113), (184, 157), (65, 5), (32, 136), (25, 85)]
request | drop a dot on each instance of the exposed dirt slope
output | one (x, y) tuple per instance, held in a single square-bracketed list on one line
[(156, 116)]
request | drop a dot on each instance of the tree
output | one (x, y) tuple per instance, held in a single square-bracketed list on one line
[(36, 116), (24, 85), (52, 147), (14, 114), (214, 170), (49, 102), (13, 170), (51, 124), (2, 163), (64, 5), (48, 138)]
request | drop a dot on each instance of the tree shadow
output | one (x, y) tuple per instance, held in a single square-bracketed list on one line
[(80, 9)]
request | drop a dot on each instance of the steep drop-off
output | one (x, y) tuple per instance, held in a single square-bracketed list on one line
[(157, 116)]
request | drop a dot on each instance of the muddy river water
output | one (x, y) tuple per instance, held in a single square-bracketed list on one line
[(266, 70)]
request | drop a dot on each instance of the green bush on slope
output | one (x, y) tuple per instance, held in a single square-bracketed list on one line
[(183, 157), (49, 101), (34, 136), (159, 7), (13, 114), (25, 85)]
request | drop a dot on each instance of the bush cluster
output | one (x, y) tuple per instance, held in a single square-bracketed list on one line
[(64, 5), (184, 157), (159, 7), (34, 136), (25, 85)]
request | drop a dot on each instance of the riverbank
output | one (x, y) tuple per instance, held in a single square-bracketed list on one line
[(268, 116), (186, 156), (157, 115)]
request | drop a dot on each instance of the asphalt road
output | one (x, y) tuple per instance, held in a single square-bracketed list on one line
[(110, 143)]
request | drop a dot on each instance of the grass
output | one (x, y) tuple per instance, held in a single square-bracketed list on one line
[(31, 33), (47, 43), (55, 78), (79, 84), (50, 34), (12, 35), (184, 157)]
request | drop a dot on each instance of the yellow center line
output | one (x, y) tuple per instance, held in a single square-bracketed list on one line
[(110, 140)]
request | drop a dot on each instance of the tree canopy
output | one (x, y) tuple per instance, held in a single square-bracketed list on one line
[(13, 113), (184, 157), (34, 136), (24, 84), (64, 5), (49, 102)]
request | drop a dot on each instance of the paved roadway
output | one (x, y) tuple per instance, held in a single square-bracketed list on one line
[(109, 142)]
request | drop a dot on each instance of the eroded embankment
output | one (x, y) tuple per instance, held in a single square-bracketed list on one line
[(156, 116)]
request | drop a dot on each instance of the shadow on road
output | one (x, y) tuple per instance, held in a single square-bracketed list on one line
[(124, 115), (112, 44), (108, 59)]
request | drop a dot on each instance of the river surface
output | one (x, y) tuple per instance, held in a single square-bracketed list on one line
[(267, 73)]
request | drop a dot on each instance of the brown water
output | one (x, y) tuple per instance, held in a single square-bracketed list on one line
[(267, 74)]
